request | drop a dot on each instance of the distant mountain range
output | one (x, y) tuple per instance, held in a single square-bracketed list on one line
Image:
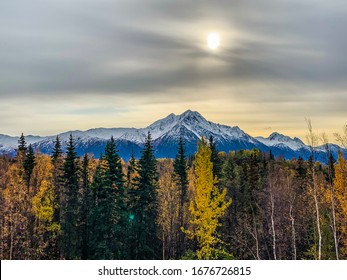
[(165, 134)]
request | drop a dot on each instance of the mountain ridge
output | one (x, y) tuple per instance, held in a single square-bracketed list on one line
[(165, 132)]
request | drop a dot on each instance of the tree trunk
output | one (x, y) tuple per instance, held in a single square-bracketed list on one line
[(334, 222), (315, 196), (293, 231), (272, 200)]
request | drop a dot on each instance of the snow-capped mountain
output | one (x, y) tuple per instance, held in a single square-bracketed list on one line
[(165, 133), (280, 141)]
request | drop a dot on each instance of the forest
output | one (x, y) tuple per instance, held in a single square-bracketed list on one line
[(243, 205)]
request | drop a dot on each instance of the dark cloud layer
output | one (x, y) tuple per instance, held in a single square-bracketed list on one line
[(272, 51)]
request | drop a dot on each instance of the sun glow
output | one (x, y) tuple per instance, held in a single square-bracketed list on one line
[(213, 40)]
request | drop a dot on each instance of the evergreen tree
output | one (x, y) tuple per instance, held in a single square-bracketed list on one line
[(107, 215), (271, 156), (84, 196), (180, 169), (145, 215), (69, 222), (114, 166), (57, 151), (331, 169), (57, 159), (29, 164), (22, 145), (132, 172), (216, 161), (114, 178), (131, 204)]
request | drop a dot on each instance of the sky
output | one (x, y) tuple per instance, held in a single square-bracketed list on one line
[(80, 64)]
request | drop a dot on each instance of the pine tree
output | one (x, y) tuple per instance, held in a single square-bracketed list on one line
[(114, 178), (84, 206), (57, 151), (97, 248), (57, 159), (69, 222), (131, 173), (180, 169), (107, 217), (29, 164), (217, 164), (145, 215), (208, 206), (131, 204), (22, 145)]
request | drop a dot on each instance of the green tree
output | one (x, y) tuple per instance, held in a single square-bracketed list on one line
[(145, 215), (114, 178), (69, 222), (22, 145), (181, 175), (29, 164), (57, 151), (131, 197), (107, 218), (58, 182), (215, 159), (84, 206)]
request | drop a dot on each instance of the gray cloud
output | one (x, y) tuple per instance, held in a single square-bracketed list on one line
[(272, 51)]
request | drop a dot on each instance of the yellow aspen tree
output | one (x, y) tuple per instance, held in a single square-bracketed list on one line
[(208, 205), (340, 187), (15, 216), (45, 230)]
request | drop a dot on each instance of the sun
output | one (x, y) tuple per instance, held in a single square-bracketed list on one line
[(213, 40)]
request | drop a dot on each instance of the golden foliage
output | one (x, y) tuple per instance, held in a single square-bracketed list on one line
[(340, 191), (208, 205)]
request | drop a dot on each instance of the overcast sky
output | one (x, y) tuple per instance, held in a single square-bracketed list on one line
[(79, 64)]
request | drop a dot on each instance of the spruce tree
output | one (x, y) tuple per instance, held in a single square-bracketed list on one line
[(57, 159), (114, 178), (70, 248), (145, 215), (107, 213), (180, 169), (22, 145), (131, 204), (29, 164), (57, 151), (21, 152), (114, 171), (84, 196), (216, 161), (132, 169)]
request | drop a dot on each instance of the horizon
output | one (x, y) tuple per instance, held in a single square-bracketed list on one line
[(177, 115)]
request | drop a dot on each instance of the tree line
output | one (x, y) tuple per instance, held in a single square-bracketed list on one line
[(239, 205)]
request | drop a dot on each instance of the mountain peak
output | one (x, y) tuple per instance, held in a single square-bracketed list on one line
[(192, 116), (279, 140), (278, 136), (190, 112)]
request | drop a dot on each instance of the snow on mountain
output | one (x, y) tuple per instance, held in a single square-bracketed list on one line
[(279, 140), (190, 125), (12, 141)]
